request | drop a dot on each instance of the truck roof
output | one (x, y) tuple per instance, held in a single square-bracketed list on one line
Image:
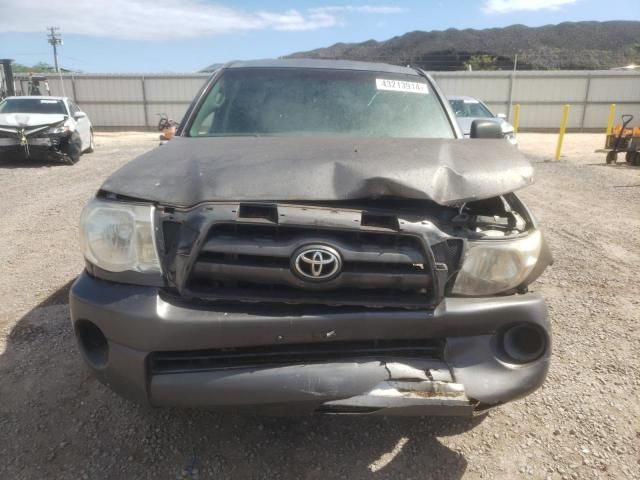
[(322, 64)]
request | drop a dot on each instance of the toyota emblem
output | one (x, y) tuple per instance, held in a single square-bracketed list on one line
[(316, 263)]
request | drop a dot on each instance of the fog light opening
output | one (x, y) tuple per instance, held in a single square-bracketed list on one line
[(93, 343), (523, 343)]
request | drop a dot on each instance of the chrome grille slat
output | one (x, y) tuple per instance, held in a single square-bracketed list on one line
[(251, 262)]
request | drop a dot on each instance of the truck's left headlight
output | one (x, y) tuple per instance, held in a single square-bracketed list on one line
[(119, 237), (493, 266)]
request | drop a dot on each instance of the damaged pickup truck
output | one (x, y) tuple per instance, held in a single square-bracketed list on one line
[(319, 237), (45, 129)]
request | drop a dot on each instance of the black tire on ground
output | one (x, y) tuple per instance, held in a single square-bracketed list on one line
[(612, 157), (628, 157), (635, 160), (91, 144), (72, 149)]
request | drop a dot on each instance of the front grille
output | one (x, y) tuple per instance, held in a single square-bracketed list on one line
[(252, 262), (268, 355)]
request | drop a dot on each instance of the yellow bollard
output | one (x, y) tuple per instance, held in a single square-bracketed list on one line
[(516, 118), (563, 127), (612, 114)]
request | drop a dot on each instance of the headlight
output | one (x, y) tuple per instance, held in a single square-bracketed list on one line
[(493, 266), (57, 130), (119, 237)]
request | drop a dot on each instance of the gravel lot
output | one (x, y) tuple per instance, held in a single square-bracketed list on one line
[(57, 422)]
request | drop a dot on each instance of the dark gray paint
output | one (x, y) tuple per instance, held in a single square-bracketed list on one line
[(187, 171), (139, 318), (322, 64), (136, 321)]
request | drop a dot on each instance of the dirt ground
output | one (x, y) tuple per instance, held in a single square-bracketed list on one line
[(57, 422)]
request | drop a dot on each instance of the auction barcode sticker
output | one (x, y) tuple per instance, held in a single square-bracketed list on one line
[(401, 86)]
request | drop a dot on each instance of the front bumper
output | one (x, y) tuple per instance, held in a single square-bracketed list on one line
[(470, 375), (39, 148)]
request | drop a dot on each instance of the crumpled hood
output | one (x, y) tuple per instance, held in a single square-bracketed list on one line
[(22, 120), (187, 171)]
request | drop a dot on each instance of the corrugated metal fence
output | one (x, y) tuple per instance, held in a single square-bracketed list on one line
[(134, 101), (542, 95)]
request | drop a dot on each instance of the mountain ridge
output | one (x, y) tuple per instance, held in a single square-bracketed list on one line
[(588, 45)]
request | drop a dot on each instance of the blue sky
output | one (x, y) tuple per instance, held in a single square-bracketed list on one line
[(186, 35)]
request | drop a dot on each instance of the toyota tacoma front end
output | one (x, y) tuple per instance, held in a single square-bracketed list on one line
[(264, 260)]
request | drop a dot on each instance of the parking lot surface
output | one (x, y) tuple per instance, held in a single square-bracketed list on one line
[(57, 422)]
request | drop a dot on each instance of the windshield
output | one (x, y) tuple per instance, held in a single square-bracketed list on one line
[(470, 108), (315, 102), (33, 105)]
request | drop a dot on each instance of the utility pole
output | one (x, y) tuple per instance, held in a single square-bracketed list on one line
[(55, 39)]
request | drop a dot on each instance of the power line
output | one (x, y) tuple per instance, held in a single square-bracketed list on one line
[(54, 40)]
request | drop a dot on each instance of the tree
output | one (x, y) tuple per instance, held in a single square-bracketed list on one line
[(481, 62), (40, 67)]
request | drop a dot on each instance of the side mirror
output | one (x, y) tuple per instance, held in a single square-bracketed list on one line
[(79, 115), (503, 116), (486, 129)]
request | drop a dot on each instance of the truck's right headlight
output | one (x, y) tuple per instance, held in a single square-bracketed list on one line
[(493, 266), (118, 237)]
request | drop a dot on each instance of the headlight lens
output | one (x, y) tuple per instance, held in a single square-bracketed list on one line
[(58, 130), (494, 266), (118, 237)]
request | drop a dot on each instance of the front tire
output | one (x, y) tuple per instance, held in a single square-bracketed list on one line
[(92, 144), (72, 149)]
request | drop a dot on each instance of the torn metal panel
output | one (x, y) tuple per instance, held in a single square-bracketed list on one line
[(417, 397), (418, 370), (335, 387), (188, 171)]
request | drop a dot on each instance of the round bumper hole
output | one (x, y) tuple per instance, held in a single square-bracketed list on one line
[(524, 343), (93, 343)]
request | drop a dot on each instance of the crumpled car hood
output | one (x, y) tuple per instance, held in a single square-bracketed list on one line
[(22, 120), (188, 171)]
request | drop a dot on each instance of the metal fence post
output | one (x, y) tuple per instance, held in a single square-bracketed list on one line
[(73, 89), (586, 102), (512, 81), (516, 118), (563, 127), (612, 115), (144, 102)]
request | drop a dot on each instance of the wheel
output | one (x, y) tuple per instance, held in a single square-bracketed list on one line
[(72, 149), (92, 144), (635, 159), (612, 157)]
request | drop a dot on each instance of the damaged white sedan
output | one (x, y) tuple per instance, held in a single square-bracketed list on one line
[(44, 128)]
